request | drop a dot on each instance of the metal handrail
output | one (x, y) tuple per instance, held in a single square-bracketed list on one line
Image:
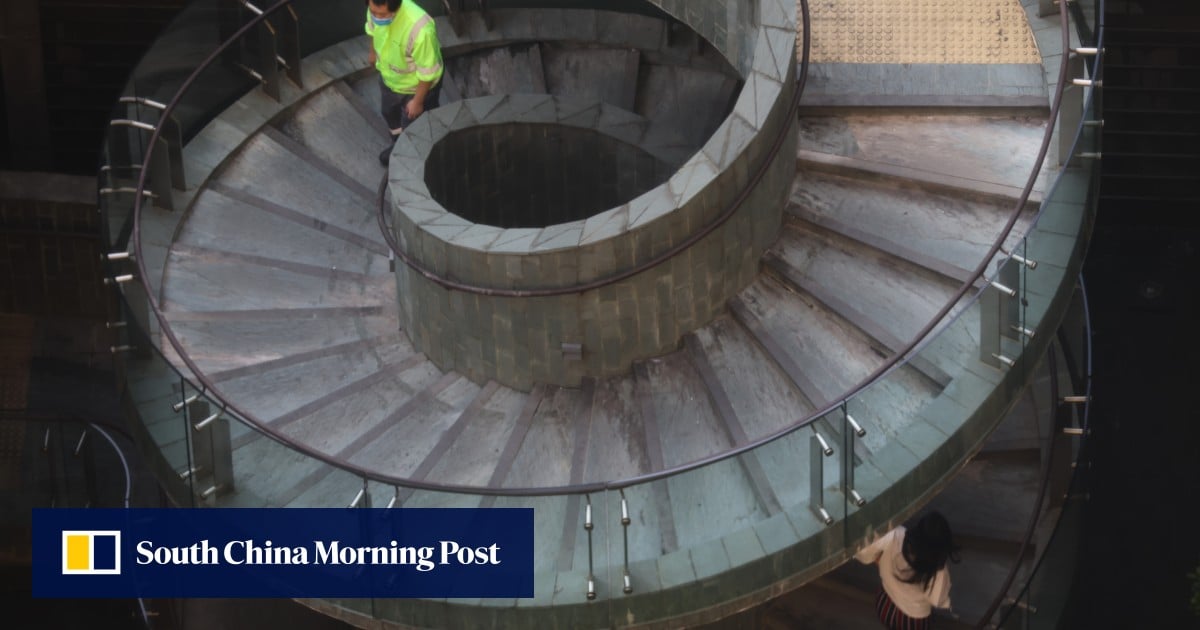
[(1075, 480), (1027, 540), (208, 389)]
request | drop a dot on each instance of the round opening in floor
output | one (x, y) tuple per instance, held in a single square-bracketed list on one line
[(520, 175)]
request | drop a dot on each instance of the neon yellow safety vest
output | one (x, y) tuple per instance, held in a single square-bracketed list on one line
[(407, 50)]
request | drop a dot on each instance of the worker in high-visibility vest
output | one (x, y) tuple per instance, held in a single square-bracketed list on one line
[(406, 52)]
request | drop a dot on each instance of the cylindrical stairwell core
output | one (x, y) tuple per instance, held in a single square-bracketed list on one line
[(521, 341), (596, 218), (524, 175)]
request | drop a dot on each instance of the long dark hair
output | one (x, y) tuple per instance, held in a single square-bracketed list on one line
[(926, 548)]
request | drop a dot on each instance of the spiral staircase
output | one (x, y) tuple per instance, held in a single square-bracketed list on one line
[(265, 361)]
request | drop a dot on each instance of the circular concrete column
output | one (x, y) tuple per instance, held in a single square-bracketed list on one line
[(545, 234)]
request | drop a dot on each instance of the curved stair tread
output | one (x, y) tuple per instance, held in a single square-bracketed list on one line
[(474, 456), (281, 395), (512, 69), (616, 440), (227, 347), (212, 280), (413, 440), (762, 397), (948, 228), (989, 149), (673, 395), (832, 353), (546, 456), (335, 131), (892, 294), (344, 426), (267, 171), (221, 223)]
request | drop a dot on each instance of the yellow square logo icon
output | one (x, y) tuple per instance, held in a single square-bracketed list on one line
[(91, 553)]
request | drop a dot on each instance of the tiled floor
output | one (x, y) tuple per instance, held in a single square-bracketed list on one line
[(921, 31)]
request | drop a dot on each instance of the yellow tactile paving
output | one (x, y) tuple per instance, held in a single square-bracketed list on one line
[(921, 31)]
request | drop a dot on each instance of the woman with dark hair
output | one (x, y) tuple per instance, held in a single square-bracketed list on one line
[(913, 570)]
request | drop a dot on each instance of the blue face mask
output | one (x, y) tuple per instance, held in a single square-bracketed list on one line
[(382, 22)]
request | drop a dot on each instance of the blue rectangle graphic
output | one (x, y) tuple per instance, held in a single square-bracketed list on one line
[(104, 553), (431, 553)]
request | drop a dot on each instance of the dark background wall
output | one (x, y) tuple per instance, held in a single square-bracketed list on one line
[(62, 66)]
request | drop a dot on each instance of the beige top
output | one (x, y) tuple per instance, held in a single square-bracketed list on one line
[(911, 599)]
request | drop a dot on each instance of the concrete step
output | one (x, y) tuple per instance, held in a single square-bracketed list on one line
[(202, 280), (290, 392), (992, 151), (220, 223), (512, 69), (940, 231), (888, 297), (269, 176), (336, 132)]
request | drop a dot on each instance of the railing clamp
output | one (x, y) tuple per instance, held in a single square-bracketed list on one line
[(826, 449), (858, 430), (122, 279), (204, 424), (1004, 289), (177, 407), (1023, 331)]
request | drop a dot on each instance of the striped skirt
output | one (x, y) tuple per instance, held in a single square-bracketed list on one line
[(894, 619)]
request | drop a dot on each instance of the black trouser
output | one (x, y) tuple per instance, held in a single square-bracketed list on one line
[(395, 106)]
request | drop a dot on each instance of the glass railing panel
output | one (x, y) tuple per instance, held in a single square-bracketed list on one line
[(899, 450), (257, 471), (802, 471), (1047, 591), (154, 394), (181, 48), (966, 358)]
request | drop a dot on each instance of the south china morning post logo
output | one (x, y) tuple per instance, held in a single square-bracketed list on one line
[(90, 552), (295, 552)]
